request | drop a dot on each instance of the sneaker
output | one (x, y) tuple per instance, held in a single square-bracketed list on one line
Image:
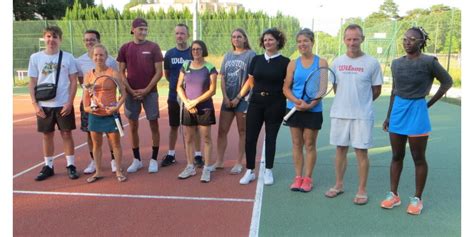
[(136, 165), (237, 169), (71, 172), (296, 185), (153, 166), (268, 177), (206, 175), (415, 206), (198, 161), (168, 160), (113, 166), (90, 168), (212, 168), (391, 200), (307, 185), (45, 173), (249, 176), (187, 172)]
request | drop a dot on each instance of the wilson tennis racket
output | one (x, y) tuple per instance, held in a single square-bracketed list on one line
[(317, 85), (100, 100)]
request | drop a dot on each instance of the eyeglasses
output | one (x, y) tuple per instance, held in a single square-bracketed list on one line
[(411, 39), (196, 49), (90, 40)]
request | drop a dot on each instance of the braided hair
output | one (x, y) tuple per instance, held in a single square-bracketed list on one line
[(424, 36)]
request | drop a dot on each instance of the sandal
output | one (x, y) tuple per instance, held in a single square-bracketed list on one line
[(121, 178), (92, 179), (361, 199), (333, 192)]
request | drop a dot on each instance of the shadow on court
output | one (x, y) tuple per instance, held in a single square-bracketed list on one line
[(286, 213)]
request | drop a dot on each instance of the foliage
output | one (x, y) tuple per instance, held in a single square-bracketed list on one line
[(384, 30), (50, 9)]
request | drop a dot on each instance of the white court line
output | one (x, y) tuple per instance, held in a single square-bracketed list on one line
[(257, 205), (133, 196), (23, 119), (59, 155)]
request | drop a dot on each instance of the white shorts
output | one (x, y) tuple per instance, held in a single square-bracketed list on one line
[(354, 132)]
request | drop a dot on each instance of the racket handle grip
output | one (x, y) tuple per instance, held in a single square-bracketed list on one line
[(288, 115), (119, 127)]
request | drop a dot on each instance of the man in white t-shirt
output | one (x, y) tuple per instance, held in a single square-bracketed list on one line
[(58, 111), (358, 84), (85, 64)]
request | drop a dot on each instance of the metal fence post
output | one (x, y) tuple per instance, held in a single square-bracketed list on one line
[(72, 39), (116, 36)]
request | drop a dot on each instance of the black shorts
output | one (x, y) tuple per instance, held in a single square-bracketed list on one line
[(53, 117), (311, 120), (204, 117), (173, 113)]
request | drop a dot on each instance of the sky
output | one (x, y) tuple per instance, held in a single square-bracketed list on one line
[(327, 14)]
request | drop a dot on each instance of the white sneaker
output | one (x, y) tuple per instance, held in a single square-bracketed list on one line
[(237, 169), (249, 176), (136, 165), (187, 172), (153, 166), (206, 174), (212, 168), (90, 168), (268, 177), (112, 165)]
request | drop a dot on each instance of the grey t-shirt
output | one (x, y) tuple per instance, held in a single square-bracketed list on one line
[(234, 69), (413, 78)]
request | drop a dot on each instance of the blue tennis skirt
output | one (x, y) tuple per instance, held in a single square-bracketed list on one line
[(409, 117), (104, 124)]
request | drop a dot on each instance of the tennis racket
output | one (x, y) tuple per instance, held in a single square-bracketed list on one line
[(318, 84), (101, 84)]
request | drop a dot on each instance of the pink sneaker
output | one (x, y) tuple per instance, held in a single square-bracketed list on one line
[(307, 185), (391, 200), (415, 206), (296, 185)]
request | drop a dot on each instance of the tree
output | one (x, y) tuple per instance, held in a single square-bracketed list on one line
[(133, 3), (24, 9), (46, 9), (389, 8)]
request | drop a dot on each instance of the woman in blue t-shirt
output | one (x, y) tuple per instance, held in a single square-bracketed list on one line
[(407, 116), (196, 86), (307, 120)]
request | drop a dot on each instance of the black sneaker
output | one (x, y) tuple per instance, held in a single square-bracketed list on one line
[(168, 160), (198, 161), (71, 172), (45, 173)]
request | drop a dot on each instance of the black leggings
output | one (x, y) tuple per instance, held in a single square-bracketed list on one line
[(263, 109)]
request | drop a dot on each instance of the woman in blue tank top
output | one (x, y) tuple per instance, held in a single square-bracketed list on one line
[(306, 122)]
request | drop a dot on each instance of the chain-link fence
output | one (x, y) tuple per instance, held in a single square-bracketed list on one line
[(383, 40)]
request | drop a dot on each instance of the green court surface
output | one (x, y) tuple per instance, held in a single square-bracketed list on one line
[(287, 213)]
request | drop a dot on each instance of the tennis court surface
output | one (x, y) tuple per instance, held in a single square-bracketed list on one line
[(161, 205)]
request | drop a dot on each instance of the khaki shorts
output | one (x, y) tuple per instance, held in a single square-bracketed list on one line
[(351, 132)]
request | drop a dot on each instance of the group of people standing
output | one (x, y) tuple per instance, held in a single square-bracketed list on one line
[(257, 90)]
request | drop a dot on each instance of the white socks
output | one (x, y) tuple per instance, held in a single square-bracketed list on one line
[(70, 160), (171, 152), (48, 161), (197, 153)]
